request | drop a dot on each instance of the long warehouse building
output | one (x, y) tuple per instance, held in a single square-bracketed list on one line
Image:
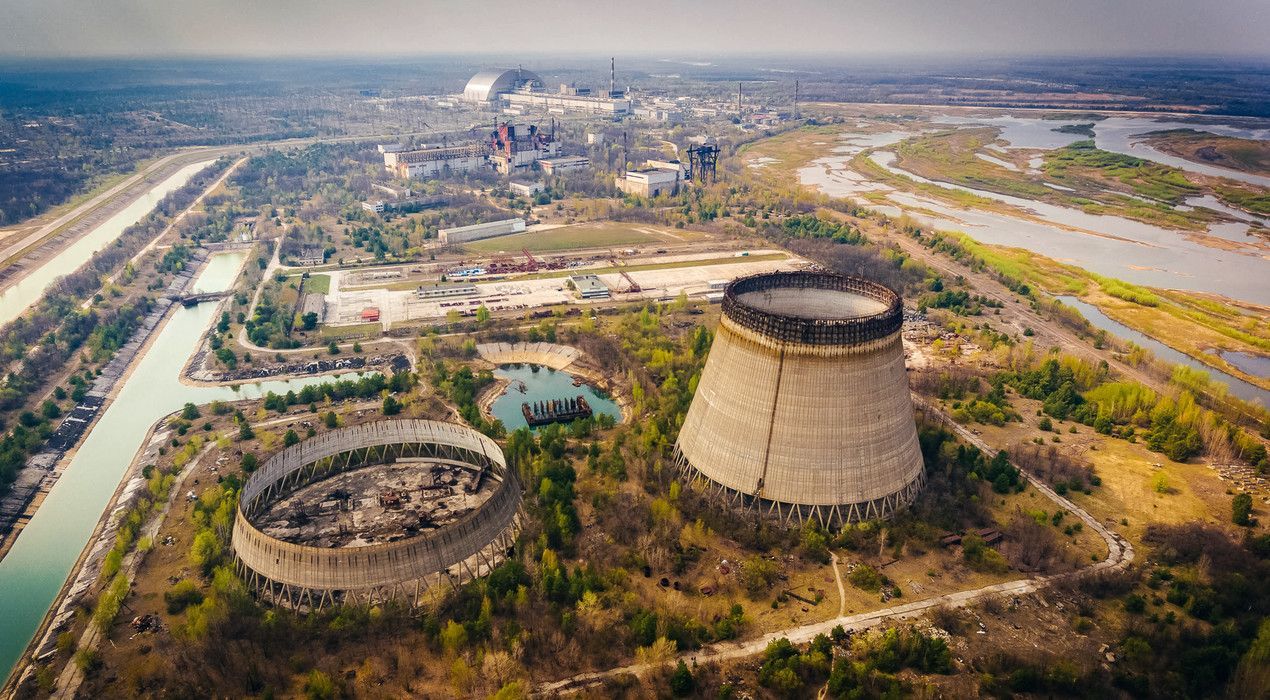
[(476, 232)]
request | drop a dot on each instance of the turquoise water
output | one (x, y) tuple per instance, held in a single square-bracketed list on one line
[(16, 299), (42, 557), (541, 384), (1237, 386)]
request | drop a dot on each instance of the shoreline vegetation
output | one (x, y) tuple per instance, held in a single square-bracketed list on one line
[(1208, 321)]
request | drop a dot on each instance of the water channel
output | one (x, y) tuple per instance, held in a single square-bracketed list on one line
[(20, 296), (1238, 387), (34, 570), (543, 384)]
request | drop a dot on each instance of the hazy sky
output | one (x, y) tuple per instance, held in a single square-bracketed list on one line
[(669, 27)]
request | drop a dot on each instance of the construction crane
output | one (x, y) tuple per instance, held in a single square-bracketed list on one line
[(632, 287), (530, 263)]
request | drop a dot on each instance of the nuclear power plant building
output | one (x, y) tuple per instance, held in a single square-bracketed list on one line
[(803, 409)]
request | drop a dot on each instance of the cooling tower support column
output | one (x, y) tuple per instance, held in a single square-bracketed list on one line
[(803, 409)]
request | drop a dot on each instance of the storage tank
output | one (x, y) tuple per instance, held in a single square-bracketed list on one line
[(803, 409)]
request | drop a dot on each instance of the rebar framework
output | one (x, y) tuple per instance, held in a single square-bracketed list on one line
[(304, 577)]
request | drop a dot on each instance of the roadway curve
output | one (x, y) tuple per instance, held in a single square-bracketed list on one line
[(1119, 555)]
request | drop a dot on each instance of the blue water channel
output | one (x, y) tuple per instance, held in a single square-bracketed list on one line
[(1238, 387), (20, 296), (543, 384), (33, 571)]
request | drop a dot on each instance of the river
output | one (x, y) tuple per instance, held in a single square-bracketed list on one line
[(20, 296), (1238, 387), (45, 552), (1109, 245)]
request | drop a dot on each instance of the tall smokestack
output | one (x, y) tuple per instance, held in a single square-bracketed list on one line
[(612, 75), (795, 99), (738, 99)]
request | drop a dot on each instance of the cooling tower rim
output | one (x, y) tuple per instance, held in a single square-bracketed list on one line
[(787, 328)]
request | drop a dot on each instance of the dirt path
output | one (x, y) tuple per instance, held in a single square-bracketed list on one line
[(837, 578), (1119, 554)]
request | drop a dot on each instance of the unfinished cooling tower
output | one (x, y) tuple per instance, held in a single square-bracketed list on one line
[(376, 512), (803, 409)]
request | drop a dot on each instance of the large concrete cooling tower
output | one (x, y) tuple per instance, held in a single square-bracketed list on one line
[(803, 410)]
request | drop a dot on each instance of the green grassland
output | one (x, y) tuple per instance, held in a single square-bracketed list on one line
[(318, 284)]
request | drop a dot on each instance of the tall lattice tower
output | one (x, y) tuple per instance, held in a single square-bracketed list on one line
[(803, 410)]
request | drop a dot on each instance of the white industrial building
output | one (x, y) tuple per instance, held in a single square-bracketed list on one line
[(525, 189), (590, 287), (445, 291), (660, 115), (476, 232), (552, 166), (437, 161), (488, 86), (654, 179)]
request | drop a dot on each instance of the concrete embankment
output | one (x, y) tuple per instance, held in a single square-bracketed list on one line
[(42, 469)]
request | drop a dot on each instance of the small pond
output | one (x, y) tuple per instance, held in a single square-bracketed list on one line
[(530, 383)]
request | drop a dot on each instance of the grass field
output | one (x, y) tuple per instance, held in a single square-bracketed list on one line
[(318, 284), (576, 236), (353, 331)]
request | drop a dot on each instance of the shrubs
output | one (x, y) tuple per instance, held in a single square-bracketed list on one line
[(866, 578), (787, 671), (1241, 509), (182, 595), (681, 681), (980, 557), (758, 575)]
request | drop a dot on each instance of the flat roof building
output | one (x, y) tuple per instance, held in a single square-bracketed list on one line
[(311, 255), (552, 166), (590, 287), (476, 232), (656, 178), (440, 290), (437, 161), (525, 189)]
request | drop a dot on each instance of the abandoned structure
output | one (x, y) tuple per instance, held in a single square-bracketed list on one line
[(803, 409), (555, 411), (377, 512)]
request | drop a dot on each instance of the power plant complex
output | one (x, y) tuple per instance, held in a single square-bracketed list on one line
[(803, 410), (377, 512)]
